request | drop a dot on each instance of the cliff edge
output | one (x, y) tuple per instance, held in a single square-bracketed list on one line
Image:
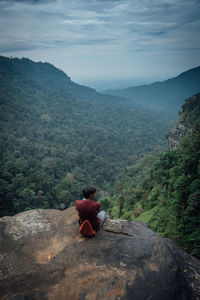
[(42, 256)]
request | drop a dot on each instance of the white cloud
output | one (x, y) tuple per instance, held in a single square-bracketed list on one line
[(84, 22)]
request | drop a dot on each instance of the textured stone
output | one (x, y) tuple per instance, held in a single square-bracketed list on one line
[(42, 256), (177, 134)]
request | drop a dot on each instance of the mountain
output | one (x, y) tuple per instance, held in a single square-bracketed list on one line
[(57, 136), (166, 95), (43, 256)]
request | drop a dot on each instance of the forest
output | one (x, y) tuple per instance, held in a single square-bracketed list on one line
[(164, 190), (57, 137)]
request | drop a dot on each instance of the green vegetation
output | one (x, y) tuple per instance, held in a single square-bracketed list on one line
[(164, 191), (57, 136)]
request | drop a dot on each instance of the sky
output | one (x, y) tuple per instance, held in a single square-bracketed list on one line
[(105, 43)]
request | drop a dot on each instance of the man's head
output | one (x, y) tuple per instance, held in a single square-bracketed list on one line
[(89, 192)]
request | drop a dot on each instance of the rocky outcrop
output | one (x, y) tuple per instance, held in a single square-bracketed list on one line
[(43, 256), (177, 134)]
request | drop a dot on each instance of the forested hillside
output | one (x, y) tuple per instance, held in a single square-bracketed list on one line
[(164, 95), (164, 190), (57, 136)]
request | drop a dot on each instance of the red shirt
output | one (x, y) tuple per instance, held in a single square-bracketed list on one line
[(88, 210)]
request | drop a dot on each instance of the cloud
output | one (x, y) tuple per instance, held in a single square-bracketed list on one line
[(118, 33), (84, 22)]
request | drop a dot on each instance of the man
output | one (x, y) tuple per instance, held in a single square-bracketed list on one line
[(90, 219)]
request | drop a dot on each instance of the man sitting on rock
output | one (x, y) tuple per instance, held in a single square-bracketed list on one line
[(90, 219)]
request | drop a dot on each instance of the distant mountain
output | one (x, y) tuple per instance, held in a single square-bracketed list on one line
[(57, 136), (169, 94), (44, 76), (47, 77)]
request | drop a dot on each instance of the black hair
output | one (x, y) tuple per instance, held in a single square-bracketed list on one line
[(87, 191)]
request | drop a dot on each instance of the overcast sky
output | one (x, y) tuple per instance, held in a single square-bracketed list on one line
[(105, 43)]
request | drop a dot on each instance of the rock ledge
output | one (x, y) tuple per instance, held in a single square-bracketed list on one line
[(42, 256)]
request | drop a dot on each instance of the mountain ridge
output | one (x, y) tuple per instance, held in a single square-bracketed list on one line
[(57, 138), (51, 78), (160, 95)]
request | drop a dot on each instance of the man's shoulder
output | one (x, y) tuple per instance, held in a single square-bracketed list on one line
[(86, 201)]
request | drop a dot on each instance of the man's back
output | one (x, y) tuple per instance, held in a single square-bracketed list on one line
[(88, 210)]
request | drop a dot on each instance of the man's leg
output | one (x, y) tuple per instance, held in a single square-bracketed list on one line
[(102, 215)]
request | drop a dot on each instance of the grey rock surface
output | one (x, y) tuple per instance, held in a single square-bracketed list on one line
[(177, 134), (43, 256)]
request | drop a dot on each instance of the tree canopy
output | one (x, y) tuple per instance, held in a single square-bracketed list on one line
[(57, 136), (164, 189)]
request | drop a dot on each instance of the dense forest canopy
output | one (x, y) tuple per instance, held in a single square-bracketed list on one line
[(164, 190), (57, 136)]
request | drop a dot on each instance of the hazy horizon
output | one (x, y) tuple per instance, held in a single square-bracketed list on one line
[(102, 85)]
